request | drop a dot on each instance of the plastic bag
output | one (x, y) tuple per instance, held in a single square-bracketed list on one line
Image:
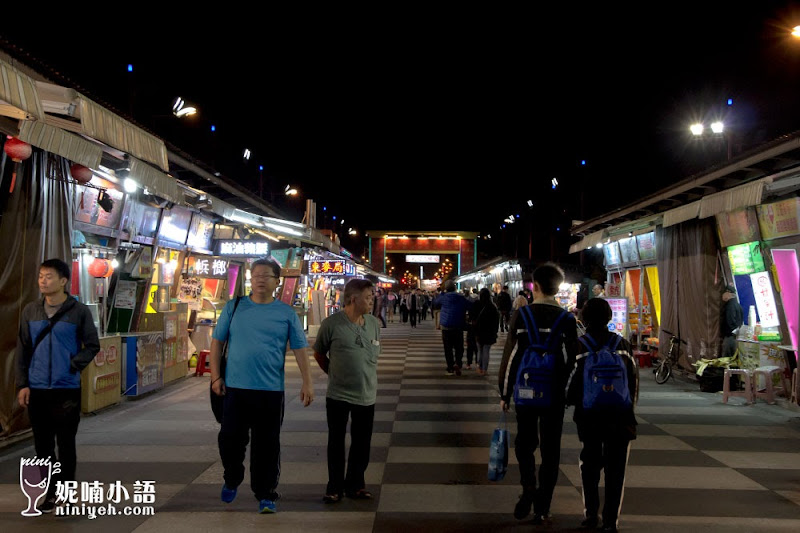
[(498, 452)]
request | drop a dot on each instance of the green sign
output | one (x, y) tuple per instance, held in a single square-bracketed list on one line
[(746, 258)]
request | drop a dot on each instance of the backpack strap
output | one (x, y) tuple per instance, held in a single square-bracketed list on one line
[(533, 330), (554, 329), (589, 342), (613, 342)]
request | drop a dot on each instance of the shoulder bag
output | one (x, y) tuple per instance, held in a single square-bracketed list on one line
[(217, 401)]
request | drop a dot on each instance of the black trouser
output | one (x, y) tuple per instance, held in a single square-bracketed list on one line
[(453, 340), (254, 415), (539, 427), (472, 346), (413, 314), (361, 419), (404, 312), (55, 415), (423, 314), (610, 455), (505, 319), (382, 319)]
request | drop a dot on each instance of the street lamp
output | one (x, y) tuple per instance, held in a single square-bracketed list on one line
[(180, 109), (796, 32), (696, 129)]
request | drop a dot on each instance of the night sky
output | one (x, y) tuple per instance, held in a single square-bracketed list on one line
[(447, 119)]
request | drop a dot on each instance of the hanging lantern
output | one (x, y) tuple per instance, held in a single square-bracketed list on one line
[(80, 173), (100, 268), (18, 151)]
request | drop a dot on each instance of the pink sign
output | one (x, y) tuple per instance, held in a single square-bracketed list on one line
[(789, 278)]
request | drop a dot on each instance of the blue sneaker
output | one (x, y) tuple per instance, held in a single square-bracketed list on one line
[(228, 494), (266, 507)]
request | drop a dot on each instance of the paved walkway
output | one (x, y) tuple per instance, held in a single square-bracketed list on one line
[(698, 465)]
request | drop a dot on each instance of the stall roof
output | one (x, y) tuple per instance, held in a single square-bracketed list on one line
[(736, 183)]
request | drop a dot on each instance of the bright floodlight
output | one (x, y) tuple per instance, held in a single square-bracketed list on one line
[(717, 127), (599, 245), (186, 112), (696, 129), (796, 32), (129, 185)]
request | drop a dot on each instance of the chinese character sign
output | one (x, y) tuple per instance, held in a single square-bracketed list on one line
[(765, 300), (327, 267), (619, 314), (241, 248)]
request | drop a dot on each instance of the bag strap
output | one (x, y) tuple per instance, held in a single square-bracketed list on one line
[(66, 306), (613, 342), (589, 342), (554, 329), (530, 324), (235, 305)]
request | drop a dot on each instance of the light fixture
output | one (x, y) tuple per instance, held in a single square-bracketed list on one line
[(599, 245), (114, 263), (696, 129), (180, 109), (247, 153), (717, 127), (129, 185), (290, 191), (554, 182), (530, 203)]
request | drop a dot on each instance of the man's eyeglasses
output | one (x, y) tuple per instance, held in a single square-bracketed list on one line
[(264, 277)]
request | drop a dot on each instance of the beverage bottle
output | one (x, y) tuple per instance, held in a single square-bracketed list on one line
[(757, 331)]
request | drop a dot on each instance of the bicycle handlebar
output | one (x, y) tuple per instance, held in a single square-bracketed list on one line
[(668, 332)]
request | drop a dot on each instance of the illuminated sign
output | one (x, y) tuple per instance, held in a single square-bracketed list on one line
[(746, 258), (422, 259), (327, 267), (349, 269), (208, 267), (240, 248), (765, 300)]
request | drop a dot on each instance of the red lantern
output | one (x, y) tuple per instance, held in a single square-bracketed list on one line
[(18, 151), (101, 268), (80, 173)]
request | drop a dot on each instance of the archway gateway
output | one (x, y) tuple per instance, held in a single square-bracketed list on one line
[(463, 244)]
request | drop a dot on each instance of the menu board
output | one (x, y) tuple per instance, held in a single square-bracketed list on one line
[(619, 314), (125, 295), (141, 219), (647, 246), (90, 212), (779, 219), (175, 225), (628, 250), (611, 251), (149, 362), (200, 232), (746, 258), (737, 227)]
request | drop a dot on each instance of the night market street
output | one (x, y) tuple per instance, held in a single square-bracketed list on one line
[(698, 465)]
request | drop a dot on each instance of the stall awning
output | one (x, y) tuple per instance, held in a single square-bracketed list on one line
[(101, 124), (156, 181), (58, 141), (18, 94), (732, 199), (587, 242), (681, 214)]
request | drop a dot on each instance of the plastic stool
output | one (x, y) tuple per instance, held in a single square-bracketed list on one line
[(769, 389), (201, 369), (643, 358), (748, 385), (795, 386)]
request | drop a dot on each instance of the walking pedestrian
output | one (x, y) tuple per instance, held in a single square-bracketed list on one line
[(57, 340), (347, 349), (732, 319), (425, 301), (519, 301), (605, 425), (404, 305), (504, 305), (391, 305), (539, 426), (253, 384), (413, 307), (379, 307), (453, 321), (487, 320)]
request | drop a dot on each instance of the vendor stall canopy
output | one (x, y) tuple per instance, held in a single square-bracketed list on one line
[(770, 170)]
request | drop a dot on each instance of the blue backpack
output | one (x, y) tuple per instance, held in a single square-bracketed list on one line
[(605, 376), (536, 373)]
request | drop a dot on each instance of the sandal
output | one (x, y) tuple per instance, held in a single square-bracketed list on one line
[(360, 494), (332, 498)]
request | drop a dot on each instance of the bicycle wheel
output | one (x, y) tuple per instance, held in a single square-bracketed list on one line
[(663, 372)]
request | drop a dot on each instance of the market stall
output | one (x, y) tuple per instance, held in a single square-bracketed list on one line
[(101, 379)]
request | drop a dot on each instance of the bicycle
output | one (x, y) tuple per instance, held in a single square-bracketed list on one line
[(663, 370)]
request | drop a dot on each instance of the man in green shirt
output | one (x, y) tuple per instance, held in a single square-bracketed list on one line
[(347, 349)]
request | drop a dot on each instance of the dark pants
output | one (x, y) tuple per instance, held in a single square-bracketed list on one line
[(472, 346), (413, 314), (423, 314), (729, 346), (361, 419), (505, 319), (453, 340), (55, 415), (539, 427), (254, 415), (380, 317), (404, 312), (610, 455)]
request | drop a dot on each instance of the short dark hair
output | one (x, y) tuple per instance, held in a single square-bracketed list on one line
[(450, 286), (596, 313), (276, 268), (355, 287), (549, 276), (58, 265)]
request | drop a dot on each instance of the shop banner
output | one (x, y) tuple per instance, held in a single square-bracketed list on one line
[(746, 258), (619, 315), (125, 295), (287, 293), (765, 300), (208, 267), (647, 246), (611, 251), (281, 256), (737, 227), (149, 362), (242, 248), (780, 219), (627, 248)]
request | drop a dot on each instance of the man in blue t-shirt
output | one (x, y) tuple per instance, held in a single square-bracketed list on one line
[(257, 333)]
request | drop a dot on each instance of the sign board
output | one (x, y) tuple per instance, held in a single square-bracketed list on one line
[(125, 295), (200, 232), (647, 246), (241, 248), (628, 250), (208, 267), (326, 267), (765, 300), (611, 251), (737, 227), (746, 258), (619, 315), (780, 219), (422, 258)]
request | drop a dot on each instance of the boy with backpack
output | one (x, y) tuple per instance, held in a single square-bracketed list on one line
[(546, 341), (603, 388)]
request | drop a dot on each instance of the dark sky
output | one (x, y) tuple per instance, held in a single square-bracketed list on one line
[(449, 119)]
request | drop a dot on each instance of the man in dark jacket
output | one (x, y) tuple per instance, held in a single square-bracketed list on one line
[(57, 340), (453, 321), (732, 317), (504, 305), (605, 431)]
